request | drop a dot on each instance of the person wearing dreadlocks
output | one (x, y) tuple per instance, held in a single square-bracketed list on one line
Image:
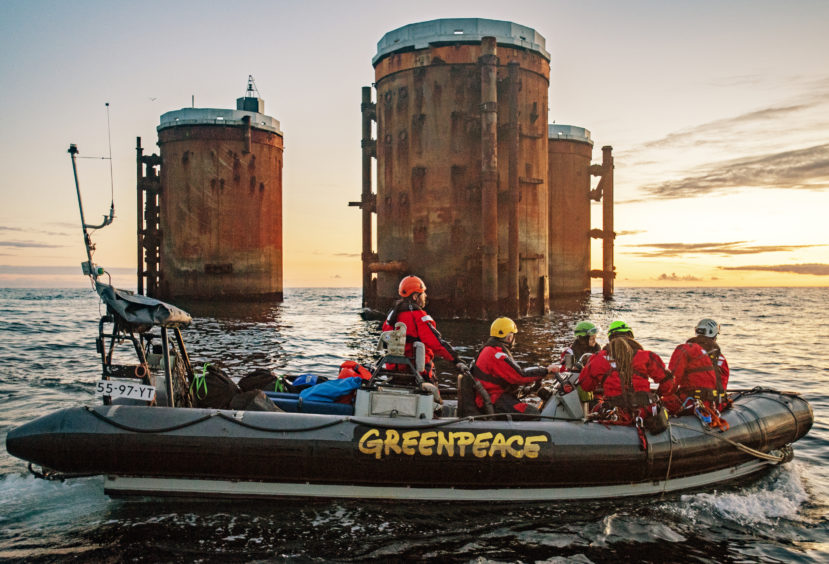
[(700, 369), (622, 371)]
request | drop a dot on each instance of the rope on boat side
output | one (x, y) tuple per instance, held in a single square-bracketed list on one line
[(735, 444), (123, 427), (241, 423), (760, 390)]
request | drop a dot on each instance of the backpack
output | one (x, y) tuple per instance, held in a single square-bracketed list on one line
[(259, 379), (213, 388), (304, 381)]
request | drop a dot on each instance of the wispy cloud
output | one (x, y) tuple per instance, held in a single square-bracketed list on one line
[(29, 245), (672, 277), (56, 270), (6, 229), (805, 169), (630, 232), (663, 250), (723, 128), (815, 269)]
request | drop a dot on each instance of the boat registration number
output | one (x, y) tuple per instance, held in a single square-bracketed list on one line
[(124, 389)]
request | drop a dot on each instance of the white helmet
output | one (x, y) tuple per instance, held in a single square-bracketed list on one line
[(708, 328)]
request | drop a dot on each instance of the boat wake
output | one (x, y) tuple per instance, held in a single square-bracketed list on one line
[(780, 495)]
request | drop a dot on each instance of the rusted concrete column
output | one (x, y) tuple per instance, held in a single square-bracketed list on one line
[(139, 209), (489, 175), (368, 112), (514, 195), (608, 273)]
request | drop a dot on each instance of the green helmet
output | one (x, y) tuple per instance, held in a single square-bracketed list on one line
[(585, 329), (619, 328)]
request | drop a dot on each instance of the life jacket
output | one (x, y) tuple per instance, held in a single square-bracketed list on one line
[(483, 369), (349, 369), (630, 399), (702, 375), (409, 313)]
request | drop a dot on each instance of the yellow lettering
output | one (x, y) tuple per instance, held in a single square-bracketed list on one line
[(464, 439), (392, 437), (515, 439), (531, 447), (409, 442), (373, 446), (481, 444), (446, 444), (427, 441), (498, 445)]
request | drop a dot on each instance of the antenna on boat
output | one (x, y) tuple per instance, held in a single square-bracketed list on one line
[(89, 268)]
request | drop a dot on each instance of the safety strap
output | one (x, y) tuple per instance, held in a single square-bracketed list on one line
[(200, 382)]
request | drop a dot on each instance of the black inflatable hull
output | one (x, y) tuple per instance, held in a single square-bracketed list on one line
[(166, 451)]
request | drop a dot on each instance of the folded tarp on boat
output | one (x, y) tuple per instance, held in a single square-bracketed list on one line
[(141, 310)]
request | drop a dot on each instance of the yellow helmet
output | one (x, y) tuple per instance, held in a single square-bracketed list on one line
[(502, 327)]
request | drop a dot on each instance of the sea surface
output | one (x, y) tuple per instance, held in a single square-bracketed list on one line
[(774, 337)]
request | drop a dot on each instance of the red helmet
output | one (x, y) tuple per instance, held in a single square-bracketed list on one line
[(411, 285)]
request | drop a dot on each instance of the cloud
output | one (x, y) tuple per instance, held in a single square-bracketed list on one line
[(663, 250), (347, 255), (56, 270), (739, 80), (29, 245), (802, 169), (630, 232), (4, 228), (724, 128), (674, 278), (815, 269)]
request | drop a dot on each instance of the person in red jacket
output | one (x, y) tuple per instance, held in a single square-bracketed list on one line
[(623, 371), (499, 374), (700, 369), (419, 327)]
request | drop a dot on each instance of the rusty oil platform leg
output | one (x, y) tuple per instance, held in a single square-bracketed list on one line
[(489, 176)]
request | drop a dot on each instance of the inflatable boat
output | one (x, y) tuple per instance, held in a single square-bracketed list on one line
[(397, 440), (391, 448)]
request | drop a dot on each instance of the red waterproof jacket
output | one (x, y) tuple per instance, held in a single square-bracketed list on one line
[(420, 327), (700, 370), (498, 372), (602, 372)]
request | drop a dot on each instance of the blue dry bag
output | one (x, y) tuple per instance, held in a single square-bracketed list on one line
[(331, 390)]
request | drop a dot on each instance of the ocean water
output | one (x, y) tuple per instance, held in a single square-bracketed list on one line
[(774, 337)]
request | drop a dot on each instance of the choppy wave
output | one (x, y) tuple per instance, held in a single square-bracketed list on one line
[(48, 361)]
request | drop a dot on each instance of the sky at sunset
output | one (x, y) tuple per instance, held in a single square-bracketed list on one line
[(718, 113)]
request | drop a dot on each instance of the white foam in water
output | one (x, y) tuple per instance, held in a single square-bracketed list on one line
[(779, 496), (26, 498)]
